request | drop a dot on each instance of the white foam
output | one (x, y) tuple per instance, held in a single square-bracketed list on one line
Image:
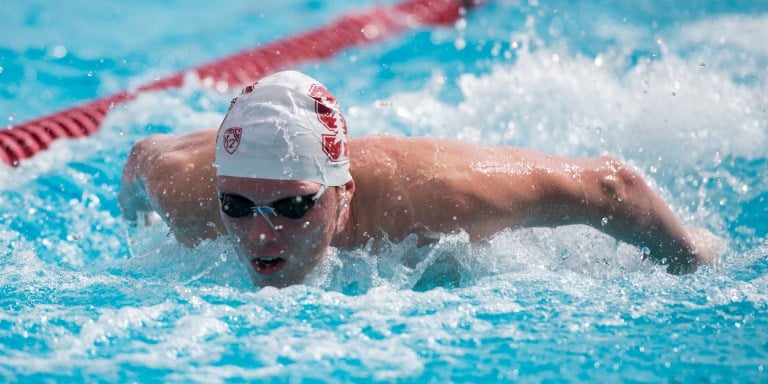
[(573, 107)]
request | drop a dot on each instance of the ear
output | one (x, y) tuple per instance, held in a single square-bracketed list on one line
[(347, 191)]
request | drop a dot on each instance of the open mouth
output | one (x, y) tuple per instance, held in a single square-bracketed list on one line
[(267, 265)]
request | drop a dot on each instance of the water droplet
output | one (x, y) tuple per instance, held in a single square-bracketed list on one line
[(399, 197), (1, 69), (262, 236), (461, 24), (598, 61), (59, 51), (305, 225), (460, 43), (89, 73), (645, 251), (604, 221), (455, 218), (370, 32)]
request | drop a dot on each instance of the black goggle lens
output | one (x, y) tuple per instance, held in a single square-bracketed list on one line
[(294, 207), (236, 206)]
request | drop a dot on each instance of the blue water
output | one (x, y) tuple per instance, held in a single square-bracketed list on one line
[(677, 90)]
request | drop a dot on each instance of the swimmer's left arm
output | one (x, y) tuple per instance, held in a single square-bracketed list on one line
[(613, 198), (484, 189)]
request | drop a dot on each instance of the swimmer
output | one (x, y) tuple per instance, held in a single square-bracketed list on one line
[(283, 182)]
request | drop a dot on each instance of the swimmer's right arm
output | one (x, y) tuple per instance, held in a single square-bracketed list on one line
[(132, 197), (174, 176)]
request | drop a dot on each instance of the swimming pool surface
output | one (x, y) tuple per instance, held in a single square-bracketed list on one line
[(678, 90)]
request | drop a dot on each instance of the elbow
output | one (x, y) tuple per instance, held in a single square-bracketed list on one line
[(618, 183)]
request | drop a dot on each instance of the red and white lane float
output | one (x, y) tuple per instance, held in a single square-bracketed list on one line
[(23, 141)]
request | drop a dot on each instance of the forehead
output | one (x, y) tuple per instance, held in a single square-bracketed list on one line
[(265, 187)]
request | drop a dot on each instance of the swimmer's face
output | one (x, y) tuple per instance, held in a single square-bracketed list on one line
[(279, 250)]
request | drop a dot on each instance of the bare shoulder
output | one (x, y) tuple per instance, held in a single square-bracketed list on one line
[(193, 143), (162, 154)]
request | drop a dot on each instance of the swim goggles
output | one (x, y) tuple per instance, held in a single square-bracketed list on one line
[(294, 207)]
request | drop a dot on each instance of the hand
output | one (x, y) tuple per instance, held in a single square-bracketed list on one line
[(708, 247), (132, 197)]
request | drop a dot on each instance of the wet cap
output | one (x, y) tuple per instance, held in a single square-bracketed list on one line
[(287, 126)]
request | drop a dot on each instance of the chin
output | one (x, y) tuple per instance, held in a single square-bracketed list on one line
[(281, 279)]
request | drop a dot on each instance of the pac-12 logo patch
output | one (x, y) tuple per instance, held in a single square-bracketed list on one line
[(232, 139)]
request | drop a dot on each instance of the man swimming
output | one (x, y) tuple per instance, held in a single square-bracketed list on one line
[(282, 180)]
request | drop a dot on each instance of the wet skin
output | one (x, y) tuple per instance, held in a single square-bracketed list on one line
[(404, 186)]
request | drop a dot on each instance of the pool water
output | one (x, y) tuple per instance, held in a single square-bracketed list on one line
[(677, 90)]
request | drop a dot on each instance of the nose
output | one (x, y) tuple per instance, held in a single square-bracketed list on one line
[(261, 231)]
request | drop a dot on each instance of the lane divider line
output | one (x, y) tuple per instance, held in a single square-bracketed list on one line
[(24, 140)]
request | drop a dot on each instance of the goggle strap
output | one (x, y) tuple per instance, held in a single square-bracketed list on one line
[(319, 193)]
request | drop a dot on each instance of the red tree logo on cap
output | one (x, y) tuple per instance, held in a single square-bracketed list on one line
[(232, 139), (329, 114)]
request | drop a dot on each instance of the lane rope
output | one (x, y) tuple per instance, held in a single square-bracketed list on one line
[(24, 140)]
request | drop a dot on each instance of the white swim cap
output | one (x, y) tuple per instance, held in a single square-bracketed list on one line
[(287, 126)]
